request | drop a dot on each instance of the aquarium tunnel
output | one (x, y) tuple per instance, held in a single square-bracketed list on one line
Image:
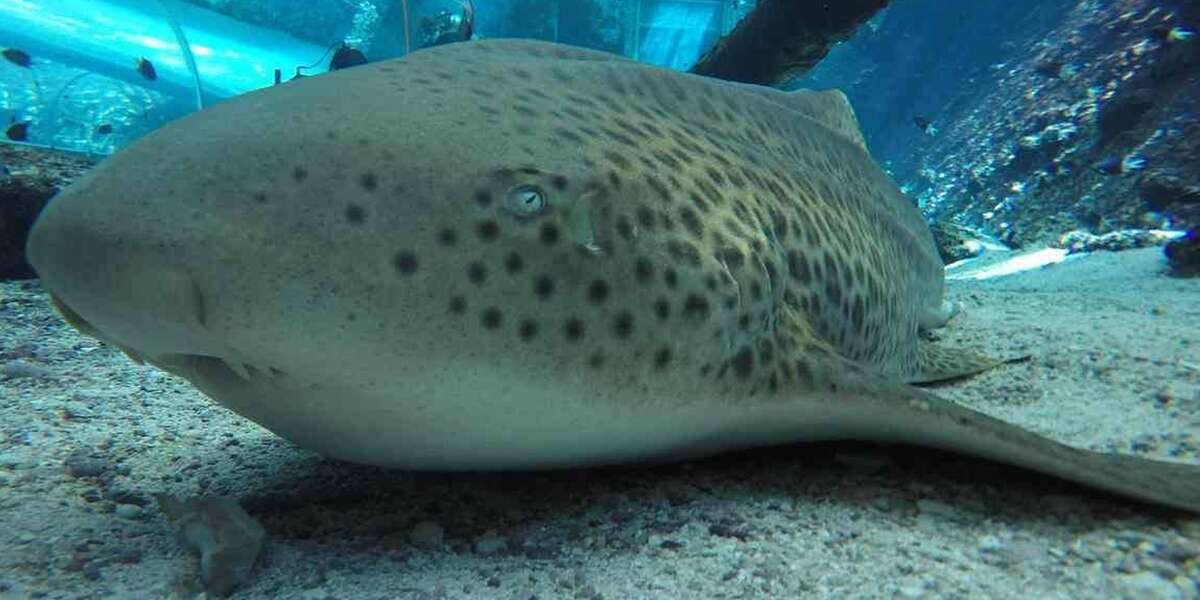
[(105, 72)]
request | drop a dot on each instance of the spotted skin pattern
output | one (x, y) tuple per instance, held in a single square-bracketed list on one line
[(513, 254)]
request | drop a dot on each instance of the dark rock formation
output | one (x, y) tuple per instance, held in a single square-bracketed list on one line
[(954, 243), (28, 178), (1123, 111), (783, 39), (1066, 124), (1183, 254), (1161, 191)]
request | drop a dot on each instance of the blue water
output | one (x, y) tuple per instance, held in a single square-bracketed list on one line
[(84, 52), (677, 32)]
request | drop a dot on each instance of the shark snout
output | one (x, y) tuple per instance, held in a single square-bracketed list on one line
[(113, 282)]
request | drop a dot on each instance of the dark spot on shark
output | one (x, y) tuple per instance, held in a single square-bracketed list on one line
[(573, 329), (528, 329), (488, 231), (405, 262), (491, 318), (513, 263), (743, 363), (696, 306), (623, 324), (477, 273), (369, 181), (543, 286), (598, 291), (549, 234), (662, 309)]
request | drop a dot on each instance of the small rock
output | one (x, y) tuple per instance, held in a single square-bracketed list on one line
[(912, 590), (81, 463), (129, 511), (996, 552), (75, 411), (427, 534), (1114, 241), (227, 539), (1160, 191), (12, 460), (731, 527), (937, 509), (122, 495), (1183, 254), (92, 571), (128, 556), (490, 543), (16, 369), (1178, 550), (991, 543), (1148, 586), (954, 242)]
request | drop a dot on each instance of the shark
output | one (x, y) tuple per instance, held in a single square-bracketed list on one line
[(508, 254)]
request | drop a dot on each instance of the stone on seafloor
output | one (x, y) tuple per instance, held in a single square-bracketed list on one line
[(954, 243), (1183, 254), (226, 537)]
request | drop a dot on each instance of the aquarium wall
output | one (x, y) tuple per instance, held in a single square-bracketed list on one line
[(93, 75)]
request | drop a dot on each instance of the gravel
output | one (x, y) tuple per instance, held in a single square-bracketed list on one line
[(1110, 334)]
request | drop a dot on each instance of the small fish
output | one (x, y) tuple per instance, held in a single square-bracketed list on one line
[(145, 68), (924, 124), (1115, 165), (103, 129), (17, 131), (467, 26), (1133, 162), (345, 57), (1179, 34), (17, 57)]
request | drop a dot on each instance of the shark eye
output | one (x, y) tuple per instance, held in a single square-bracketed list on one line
[(526, 201)]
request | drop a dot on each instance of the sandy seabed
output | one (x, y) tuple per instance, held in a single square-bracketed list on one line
[(87, 437)]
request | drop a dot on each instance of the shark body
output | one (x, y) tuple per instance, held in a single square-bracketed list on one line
[(511, 255)]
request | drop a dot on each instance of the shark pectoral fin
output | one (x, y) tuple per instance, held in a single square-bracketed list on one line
[(915, 416), (939, 363)]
